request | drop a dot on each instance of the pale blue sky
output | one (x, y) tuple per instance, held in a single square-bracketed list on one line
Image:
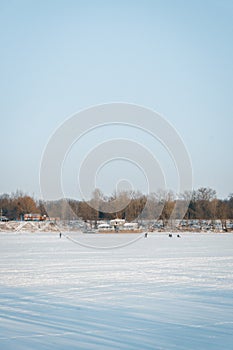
[(58, 57)]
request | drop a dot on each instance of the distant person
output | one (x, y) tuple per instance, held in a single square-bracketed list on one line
[(60, 234), (146, 234)]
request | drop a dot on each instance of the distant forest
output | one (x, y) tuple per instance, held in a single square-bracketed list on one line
[(203, 204)]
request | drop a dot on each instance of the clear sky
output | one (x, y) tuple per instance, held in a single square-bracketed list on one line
[(58, 57)]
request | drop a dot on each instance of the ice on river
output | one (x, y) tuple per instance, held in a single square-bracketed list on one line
[(157, 293)]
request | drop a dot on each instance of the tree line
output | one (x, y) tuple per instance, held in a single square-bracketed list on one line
[(203, 204)]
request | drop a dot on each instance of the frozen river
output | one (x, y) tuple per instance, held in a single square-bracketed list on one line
[(157, 293)]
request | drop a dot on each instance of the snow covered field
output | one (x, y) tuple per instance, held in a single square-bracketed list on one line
[(158, 293)]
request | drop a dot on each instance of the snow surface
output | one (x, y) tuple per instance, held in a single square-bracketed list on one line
[(157, 293)]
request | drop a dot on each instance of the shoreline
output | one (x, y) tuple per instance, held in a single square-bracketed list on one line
[(56, 227)]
